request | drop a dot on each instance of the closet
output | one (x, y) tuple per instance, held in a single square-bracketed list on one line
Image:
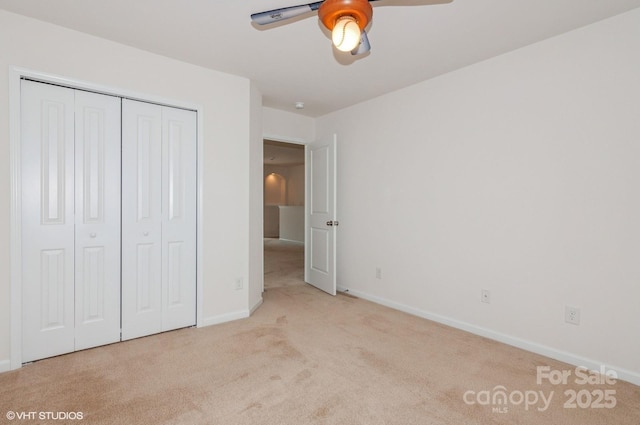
[(108, 219)]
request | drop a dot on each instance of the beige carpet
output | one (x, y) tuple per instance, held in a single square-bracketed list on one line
[(283, 263), (305, 358)]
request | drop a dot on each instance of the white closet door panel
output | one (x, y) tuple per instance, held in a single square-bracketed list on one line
[(97, 194), (141, 219), (178, 218), (47, 170)]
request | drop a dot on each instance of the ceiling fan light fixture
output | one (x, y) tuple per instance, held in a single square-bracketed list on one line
[(346, 19), (346, 33)]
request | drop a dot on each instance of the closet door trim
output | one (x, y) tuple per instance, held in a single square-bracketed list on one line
[(16, 74)]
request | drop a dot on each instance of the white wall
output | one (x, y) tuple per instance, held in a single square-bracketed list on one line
[(286, 126), (291, 223), (286, 187), (295, 185), (271, 221), (275, 184), (227, 104), (519, 175), (283, 185)]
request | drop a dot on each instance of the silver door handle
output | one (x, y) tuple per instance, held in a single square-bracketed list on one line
[(333, 223)]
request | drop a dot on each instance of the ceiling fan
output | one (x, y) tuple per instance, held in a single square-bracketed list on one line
[(346, 19)]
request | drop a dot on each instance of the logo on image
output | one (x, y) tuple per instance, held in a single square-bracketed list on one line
[(589, 393)]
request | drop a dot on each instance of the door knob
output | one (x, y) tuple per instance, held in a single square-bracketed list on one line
[(332, 223), (145, 233), (92, 235)]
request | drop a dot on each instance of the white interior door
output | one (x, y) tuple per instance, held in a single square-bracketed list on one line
[(97, 219), (178, 218), (141, 219), (320, 262), (70, 219), (104, 244), (47, 173), (158, 219)]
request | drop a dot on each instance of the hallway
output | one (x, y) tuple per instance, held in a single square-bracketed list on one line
[(283, 263)]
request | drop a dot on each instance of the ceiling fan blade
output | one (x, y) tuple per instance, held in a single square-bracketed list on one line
[(364, 45), (276, 15)]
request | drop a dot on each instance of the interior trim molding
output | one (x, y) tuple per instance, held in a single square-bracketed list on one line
[(256, 306), (15, 248), (563, 356), (223, 318), (5, 366), (284, 139), (300, 243)]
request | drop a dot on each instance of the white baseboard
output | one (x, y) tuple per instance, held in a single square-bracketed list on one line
[(563, 356), (5, 366), (292, 241), (223, 318), (256, 306)]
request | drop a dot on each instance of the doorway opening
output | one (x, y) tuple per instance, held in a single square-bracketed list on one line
[(284, 214)]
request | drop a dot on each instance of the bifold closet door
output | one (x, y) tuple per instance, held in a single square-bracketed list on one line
[(70, 220), (179, 184), (158, 219), (97, 219)]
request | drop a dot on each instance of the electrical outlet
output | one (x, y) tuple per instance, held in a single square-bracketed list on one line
[(485, 296), (239, 284), (378, 273), (572, 315)]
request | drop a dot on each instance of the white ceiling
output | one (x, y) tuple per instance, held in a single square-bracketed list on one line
[(296, 62)]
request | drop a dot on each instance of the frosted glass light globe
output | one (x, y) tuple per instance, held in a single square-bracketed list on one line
[(346, 34)]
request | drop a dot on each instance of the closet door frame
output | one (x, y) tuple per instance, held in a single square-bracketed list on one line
[(16, 74)]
